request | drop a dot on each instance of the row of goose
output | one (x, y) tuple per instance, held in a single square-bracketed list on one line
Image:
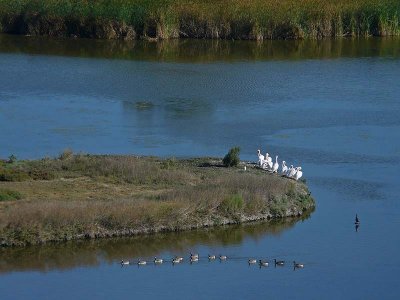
[(265, 162), (195, 258)]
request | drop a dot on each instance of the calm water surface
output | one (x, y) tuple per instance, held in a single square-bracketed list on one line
[(332, 107)]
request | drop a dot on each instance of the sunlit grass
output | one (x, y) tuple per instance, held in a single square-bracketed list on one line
[(240, 19)]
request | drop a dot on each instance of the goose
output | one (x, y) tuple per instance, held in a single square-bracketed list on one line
[(357, 221), (298, 173), (176, 260), (141, 262), (284, 168), (223, 257), (211, 257), (279, 262), (194, 259), (291, 171), (276, 165), (260, 157), (297, 265), (194, 255), (263, 263), (124, 263), (158, 260), (252, 261)]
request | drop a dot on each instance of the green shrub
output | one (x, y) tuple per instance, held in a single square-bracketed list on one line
[(13, 175), (12, 159), (232, 158), (7, 195), (232, 205)]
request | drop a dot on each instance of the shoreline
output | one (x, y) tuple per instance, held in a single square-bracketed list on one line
[(95, 196)]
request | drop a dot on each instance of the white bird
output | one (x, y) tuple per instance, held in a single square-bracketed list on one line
[(276, 165), (298, 174), (291, 171), (260, 157), (284, 168), (245, 168), (268, 161)]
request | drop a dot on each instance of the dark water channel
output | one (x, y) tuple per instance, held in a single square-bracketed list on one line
[(332, 107)]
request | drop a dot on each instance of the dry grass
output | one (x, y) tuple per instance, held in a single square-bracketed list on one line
[(78, 196)]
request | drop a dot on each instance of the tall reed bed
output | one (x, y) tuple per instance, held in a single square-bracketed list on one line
[(226, 19)]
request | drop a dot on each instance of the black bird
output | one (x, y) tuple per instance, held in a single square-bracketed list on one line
[(357, 222)]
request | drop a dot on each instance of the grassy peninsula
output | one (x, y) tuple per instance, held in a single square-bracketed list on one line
[(219, 19), (78, 196)]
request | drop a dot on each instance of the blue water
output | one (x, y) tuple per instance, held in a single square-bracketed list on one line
[(337, 117)]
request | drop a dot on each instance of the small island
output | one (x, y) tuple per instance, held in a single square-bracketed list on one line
[(82, 196)]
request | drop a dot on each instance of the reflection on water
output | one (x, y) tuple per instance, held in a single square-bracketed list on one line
[(202, 50), (90, 253)]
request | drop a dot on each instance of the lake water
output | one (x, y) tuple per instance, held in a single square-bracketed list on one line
[(332, 107)]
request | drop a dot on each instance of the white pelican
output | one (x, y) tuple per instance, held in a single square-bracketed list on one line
[(260, 157), (290, 171), (284, 168), (298, 174), (276, 165), (268, 160)]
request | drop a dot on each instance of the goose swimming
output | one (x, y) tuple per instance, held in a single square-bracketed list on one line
[(252, 261), (211, 257), (158, 260), (141, 262), (124, 263), (194, 255), (297, 265), (298, 173), (176, 260), (279, 262), (223, 257), (276, 165), (284, 168), (263, 263)]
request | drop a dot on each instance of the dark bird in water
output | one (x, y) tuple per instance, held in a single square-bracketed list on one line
[(279, 262), (357, 221)]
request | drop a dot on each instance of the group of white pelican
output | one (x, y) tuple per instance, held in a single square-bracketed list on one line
[(194, 257), (265, 162)]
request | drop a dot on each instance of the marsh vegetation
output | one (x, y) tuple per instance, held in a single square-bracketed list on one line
[(79, 196), (222, 19)]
